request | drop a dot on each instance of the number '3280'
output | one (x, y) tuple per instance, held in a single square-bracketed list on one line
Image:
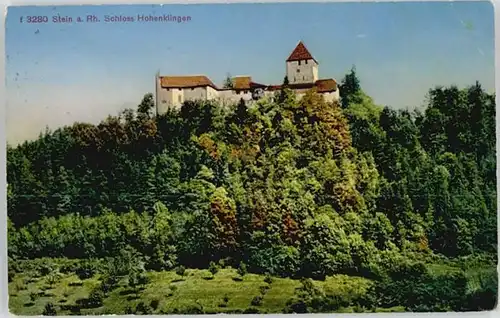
[(37, 19)]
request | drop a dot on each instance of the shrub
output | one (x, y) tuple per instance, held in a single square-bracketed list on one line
[(49, 310), (69, 268), (213, 268), (11, 275), (14, 266), (95, 298), (154, 304), (180, 270), (268, 279), (143, 308), (108, 283), (242, 269), (142, 279), (251, 310), (86, 270), (133, 280), (20, 287), (257, 301), (264, 289), (52, 279), (129, 310), (222, 263), (194, 310), (34, 296), (45, 269)]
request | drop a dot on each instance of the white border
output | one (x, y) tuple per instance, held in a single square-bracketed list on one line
[(4, 308)]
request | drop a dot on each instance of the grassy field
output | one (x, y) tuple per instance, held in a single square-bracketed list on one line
[(224, 292), (32, 286)]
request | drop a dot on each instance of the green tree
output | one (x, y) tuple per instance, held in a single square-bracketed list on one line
[(350, 88)]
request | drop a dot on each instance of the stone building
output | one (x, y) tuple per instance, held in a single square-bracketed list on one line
[(301, 71)]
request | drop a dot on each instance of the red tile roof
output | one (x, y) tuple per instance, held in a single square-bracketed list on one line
[(300, 53), (244, 83), (186, 81), (241, 82), (322, 86), (326, 85)]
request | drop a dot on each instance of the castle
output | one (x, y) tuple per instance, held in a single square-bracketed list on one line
[(301, 71)]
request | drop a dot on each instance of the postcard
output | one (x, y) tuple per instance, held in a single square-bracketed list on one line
[(256, 158)]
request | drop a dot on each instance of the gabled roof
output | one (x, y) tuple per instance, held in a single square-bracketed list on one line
[(326, 85), (186, 81), (244, 83), (241, 82), (300, 53), (322, 86)]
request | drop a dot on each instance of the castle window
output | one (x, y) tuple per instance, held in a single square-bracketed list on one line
[(306, 61), (180, 89), (192, 88), (298, 71), (299, 62), (245, 92), (179, 98), (164, 101)]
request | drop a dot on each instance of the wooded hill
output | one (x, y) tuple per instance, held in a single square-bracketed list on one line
[(301, 189)]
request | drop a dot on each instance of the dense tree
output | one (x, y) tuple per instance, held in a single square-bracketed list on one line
[(289, 187)]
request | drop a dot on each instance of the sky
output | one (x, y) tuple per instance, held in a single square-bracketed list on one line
[(59, 73)]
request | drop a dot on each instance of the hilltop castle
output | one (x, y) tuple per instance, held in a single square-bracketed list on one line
[(301, 70)]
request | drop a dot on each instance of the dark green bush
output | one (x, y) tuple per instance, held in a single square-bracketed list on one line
[(213, 268), (268, 279), (154, 304), (264, 289), (49, 310), (242, 269), (86, 270), (251, 310), (180, 270), (257, 301), (143, 309), (96, 298)]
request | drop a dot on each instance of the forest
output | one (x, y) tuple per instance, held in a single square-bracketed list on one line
[(310, 206)]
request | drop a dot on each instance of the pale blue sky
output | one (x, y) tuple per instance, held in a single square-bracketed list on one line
[(59, 73)]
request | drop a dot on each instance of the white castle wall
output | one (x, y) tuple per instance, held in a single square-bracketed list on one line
[(195, 93), (228, 97), (212, 93), (174, 97)]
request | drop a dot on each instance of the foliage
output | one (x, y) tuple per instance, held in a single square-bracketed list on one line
[(180, 270), (285, 187), (242, 269), (49, 310), (213, 268)]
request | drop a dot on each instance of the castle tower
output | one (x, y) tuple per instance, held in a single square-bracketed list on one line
[(301, 67)]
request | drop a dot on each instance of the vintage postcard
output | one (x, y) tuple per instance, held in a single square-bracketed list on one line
[(251, 158)]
